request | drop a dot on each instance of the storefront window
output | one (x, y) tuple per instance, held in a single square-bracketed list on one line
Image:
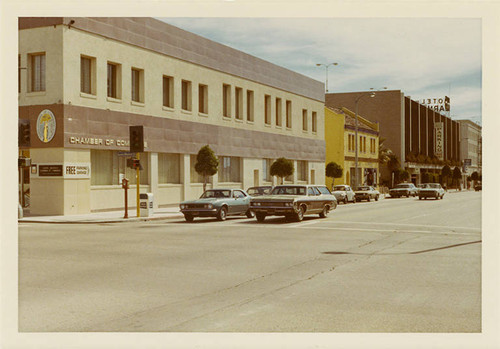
[(169, 168), (106, 167), (229, 169), (302, 170)]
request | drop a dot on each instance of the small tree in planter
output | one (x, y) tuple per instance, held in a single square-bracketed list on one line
[(333, 170), (282, 168), (207, 164)]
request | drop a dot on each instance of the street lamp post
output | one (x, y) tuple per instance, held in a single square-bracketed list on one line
[(371, 94), (326, 66)]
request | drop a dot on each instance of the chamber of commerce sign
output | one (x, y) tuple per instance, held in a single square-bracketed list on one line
[(437, 104), (438, 132), (101, 141)]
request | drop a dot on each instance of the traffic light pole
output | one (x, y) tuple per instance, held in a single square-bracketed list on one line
[(138, 181)]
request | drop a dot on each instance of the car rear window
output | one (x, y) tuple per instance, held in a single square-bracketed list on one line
[(324, 190)]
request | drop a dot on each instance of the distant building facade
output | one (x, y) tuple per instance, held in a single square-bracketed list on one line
[(470, 147), (84, 81), (340, 124), (422, 138)]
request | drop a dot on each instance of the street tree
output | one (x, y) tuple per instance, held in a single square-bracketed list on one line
[(282, 168), (207, 164), (333, 170), (446, 173), (457, 175), (383, 152)]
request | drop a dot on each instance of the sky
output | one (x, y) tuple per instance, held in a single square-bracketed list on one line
[(422, 57)]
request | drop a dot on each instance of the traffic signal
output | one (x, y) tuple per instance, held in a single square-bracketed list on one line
[(24, 139), (136, 139), (134, 163)]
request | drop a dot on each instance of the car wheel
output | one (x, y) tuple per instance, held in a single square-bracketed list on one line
[(346, 201), (249, 214), (324, 213), (260, 217), (188, 217), (299, 215), (222, 214), (376, 198), (420, 198)]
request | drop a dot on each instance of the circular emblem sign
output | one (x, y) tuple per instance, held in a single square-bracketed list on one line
[(46, 126)]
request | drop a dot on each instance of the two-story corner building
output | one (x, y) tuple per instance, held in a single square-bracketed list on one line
[(470, 147), (340, 129), (84, 81), (422, 138)]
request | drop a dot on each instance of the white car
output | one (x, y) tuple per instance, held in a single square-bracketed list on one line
[(344, 193), (367, 193), (431, 190)]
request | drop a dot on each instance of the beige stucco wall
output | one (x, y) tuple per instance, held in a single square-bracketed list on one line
[(77, 43), (59, 195), (48, 40)]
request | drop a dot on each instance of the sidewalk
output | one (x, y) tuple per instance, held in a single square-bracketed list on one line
[(106, 217)]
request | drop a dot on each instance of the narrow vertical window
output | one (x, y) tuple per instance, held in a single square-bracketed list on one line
[(249, 105), (238, 103), (267, 109), (137, 85), (304, 119), (168, 91), (314, 122), (87, 75), (289, 114), (226, 100), (37, 72), (113, 80), (278, 112), (186, 95), (203, 99)]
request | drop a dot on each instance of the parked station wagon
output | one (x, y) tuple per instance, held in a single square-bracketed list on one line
[(218, 203), (293, 202)]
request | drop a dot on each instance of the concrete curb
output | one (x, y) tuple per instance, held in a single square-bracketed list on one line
[(100, 221)]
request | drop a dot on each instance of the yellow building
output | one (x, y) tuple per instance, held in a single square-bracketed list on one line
[(368, 138), (334, 141), (340, 128)]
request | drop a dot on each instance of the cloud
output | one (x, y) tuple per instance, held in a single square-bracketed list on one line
[(420, 56)]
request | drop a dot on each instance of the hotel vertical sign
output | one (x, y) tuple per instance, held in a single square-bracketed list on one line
[(438, 141)]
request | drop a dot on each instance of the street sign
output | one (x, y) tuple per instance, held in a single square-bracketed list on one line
[(126, 154)]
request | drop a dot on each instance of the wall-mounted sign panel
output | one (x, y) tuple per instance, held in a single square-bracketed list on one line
[(66, 170), (438, 133)]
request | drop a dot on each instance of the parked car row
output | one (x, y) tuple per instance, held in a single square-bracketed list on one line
[(292, 201)]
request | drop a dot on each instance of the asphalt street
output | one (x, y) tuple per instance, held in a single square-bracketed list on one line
[(396, 265)]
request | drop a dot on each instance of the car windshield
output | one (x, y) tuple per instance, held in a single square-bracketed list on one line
[(216, 194), (289, 191), (339, 188), (363, 188), (433, 186), (422, 185), (402, 186)]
